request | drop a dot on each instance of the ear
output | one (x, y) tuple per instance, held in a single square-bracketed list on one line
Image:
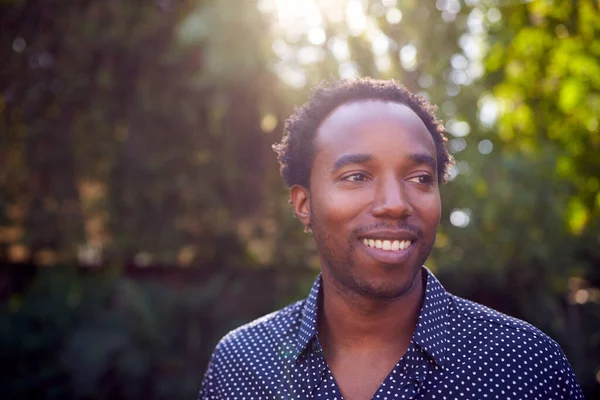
[(300, 198)]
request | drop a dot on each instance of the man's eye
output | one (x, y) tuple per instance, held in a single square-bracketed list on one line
[(425, 179), (358, 177)]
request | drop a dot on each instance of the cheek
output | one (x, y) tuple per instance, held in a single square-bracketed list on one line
[(430, 208), (337, 207)]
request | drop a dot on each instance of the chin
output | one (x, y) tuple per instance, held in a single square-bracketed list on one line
[(385, 290)]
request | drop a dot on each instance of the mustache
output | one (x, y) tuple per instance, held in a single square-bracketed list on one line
[(390, 226)]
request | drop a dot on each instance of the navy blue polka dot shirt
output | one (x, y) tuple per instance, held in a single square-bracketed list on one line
[(460, 350)]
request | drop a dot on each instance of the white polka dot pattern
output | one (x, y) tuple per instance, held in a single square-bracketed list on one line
[(460, 350)]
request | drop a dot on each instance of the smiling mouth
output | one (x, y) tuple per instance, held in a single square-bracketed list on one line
[(389, 245)]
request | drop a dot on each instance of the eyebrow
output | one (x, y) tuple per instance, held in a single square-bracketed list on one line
[(348, 159), (420, 158)]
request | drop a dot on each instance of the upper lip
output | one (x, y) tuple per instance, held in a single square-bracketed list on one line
[(390, 235)]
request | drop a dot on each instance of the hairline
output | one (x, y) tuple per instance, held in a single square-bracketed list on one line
[(367, 99)]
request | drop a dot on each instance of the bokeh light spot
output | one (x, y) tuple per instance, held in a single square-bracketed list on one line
[(393, 16), (408, 57), (485, 146), (19, 44), (460, 218), (316, 36), (268, 123), (356, 21)]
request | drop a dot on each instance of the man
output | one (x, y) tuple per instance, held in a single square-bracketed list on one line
[(364, 160)]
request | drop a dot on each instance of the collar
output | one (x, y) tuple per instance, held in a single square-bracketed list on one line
[(432, 325), (308, 324), (431, 333)]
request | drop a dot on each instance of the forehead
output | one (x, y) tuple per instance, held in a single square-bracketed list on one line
[(374, 127)]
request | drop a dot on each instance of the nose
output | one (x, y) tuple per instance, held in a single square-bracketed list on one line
[(391, 199)]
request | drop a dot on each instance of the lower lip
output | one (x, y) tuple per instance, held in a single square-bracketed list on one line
[(389, 256)]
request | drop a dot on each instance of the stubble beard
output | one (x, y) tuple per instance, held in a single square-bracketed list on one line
[(343, 268)]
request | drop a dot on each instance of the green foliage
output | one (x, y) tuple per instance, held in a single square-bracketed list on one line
[(103, 336), (534, 199)]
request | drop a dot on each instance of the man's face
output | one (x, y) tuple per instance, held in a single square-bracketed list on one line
[(374, 202)]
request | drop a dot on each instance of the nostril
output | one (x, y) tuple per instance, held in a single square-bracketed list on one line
[(395, 209), (391, 198)]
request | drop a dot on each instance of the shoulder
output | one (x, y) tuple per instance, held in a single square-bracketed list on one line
[(248, 356), (480, 316), (522, 354), (506, 340), (265, 334)]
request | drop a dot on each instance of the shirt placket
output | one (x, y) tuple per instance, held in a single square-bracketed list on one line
[(325, 387), (309, 373), (407, 378)]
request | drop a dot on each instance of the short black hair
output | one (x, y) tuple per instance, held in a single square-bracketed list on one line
[(295, 151)]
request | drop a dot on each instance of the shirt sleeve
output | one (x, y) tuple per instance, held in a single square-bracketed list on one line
[(565, 382), (211, 388)]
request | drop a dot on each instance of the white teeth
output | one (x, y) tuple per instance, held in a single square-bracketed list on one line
[(390, 245)]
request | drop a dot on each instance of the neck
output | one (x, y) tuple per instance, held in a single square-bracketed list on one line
[(349, 320)]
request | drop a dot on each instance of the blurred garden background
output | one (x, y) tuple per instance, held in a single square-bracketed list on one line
[(142, 215)]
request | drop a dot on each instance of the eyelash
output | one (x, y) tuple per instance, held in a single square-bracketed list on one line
[(429, 179), (424, 179), (362, 175)]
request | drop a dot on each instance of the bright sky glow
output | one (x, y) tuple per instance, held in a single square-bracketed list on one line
[(339, 48), (393, 15), (380, 44), (282, 49), (348, 70), (290, 12), (298, 22), (408, 57), (383, 63), (311, 55), (468, 66), (316, 36), (377, 10), (291, 75), (356, 20), (331, 9)]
